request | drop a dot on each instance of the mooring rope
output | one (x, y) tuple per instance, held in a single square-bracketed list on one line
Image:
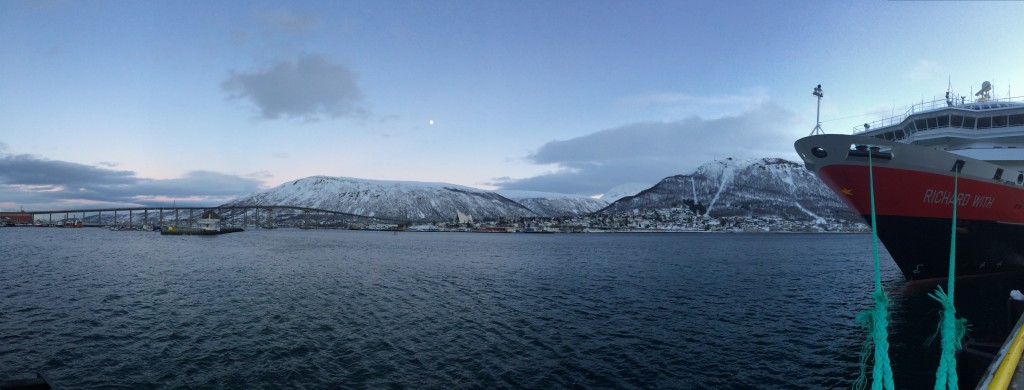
[(875, 321), (952, 329)]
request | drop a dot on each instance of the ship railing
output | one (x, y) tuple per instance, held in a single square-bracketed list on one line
[(933, 105)]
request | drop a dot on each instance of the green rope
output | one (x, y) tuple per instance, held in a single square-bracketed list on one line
[(875, 321), (952, 329)]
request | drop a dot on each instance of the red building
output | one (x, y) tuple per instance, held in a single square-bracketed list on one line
[(18, 218)]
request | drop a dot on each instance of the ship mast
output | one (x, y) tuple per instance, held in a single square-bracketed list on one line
[(817, 128)]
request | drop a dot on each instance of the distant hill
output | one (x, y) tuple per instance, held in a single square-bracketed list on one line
[(767, 187), (550, 204), (397, 200), (623, 190)]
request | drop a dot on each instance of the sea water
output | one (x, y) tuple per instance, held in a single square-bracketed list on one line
[(284, 308)]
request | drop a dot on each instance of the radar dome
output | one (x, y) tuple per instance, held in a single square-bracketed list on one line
[(985, 87)]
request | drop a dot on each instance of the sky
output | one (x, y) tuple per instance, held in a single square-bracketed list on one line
[(139, 103)]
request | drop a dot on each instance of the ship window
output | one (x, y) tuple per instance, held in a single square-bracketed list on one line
[(920, 124), (999, 121), (958, 121), (969, 122), (932, 123), (1017, 120), (943, 121), (909, 129), (984, 123), (998, 175)]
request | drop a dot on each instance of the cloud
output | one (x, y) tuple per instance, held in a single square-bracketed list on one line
[(195, 183), (36, 183), (26, 169), (261, 175), (679, 105), (650, 151), (285, 20), (309, 88)]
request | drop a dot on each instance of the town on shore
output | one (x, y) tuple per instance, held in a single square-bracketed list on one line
[(678, 219)]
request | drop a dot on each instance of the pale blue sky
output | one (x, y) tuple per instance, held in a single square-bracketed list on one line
[(136, 102)]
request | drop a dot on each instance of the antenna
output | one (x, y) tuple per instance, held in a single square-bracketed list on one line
[(950, 96), (817, 128)]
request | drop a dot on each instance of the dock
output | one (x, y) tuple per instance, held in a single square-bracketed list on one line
[(37, 381), (1006, 371)]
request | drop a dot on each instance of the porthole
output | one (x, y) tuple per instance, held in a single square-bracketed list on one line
[(819, 152)]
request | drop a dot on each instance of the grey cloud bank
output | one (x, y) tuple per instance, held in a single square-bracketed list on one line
[(650, 151), (36, 183), (310, 88)]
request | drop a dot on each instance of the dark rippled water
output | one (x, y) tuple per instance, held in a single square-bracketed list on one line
[(340, 309)]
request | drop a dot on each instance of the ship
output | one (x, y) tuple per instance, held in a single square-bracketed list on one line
[(937, 155), (209, 224)]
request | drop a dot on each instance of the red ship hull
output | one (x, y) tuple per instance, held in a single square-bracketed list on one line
[(914, 198)]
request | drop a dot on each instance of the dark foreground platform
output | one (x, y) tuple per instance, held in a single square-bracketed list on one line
[(26, 382)]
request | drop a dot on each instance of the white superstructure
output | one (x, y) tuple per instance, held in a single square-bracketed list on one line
[(985, 129)]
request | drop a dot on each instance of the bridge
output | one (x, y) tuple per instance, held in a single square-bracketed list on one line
[(239, 215)]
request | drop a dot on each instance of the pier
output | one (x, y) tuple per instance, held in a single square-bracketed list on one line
[(240, 216), (1006, 368)]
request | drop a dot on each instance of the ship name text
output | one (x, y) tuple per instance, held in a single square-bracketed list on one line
[(934, 196)]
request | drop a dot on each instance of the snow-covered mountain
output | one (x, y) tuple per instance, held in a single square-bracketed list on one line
[(550, 204), (767, 187), (396, 200), (623, 190)]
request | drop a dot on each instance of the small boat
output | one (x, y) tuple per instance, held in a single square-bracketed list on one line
[(209, 224)]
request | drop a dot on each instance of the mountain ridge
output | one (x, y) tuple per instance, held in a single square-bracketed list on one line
[(762, 187), (755, 188)]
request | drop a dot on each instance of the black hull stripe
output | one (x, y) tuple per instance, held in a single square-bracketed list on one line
[(920, 246)]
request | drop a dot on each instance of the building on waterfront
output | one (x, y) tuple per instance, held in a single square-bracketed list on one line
[(210, 220), (17, 218)]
